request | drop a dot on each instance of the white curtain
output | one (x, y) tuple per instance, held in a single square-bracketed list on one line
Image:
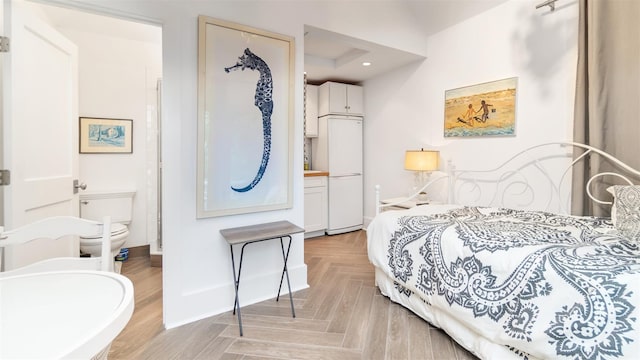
[(607, 107)]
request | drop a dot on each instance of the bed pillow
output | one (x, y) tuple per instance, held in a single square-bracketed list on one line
[(625, 212)]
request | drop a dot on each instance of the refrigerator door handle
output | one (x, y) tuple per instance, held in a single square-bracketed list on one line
[(345, 175)]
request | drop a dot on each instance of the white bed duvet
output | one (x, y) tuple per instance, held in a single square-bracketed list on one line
[(512, 283)]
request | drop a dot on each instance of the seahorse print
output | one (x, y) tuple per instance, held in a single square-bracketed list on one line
[(264, 102)]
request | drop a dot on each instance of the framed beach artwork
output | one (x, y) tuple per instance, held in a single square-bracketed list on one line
[(487, 109), (106, 136), (245, 119)]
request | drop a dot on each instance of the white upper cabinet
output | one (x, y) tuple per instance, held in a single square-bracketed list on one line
[(311, 111), (342, 99)]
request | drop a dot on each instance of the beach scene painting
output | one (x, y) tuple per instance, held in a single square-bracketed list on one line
[(487, 109)]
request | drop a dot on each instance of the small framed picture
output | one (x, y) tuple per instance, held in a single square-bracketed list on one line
[(106, 136)]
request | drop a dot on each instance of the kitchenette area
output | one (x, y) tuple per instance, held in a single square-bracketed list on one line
[(333, 194)]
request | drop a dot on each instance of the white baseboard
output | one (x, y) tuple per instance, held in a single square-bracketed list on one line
[(203, 303)]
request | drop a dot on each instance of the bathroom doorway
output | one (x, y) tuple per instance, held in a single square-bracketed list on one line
[(119, 72)]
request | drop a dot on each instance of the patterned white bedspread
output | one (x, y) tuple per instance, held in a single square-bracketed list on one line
[(542, 285)]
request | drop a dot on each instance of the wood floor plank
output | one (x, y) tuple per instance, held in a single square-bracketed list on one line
[(270, 310), (227, 356), (441, 345), (398, 334), (249, 357), (419, 339), (216, 350), (356, 331), (342, 315), (192, 345), (301, 294), (331, 298), (376, 342), (318, 338), (317, 290), (277, 322), (345, 307), (185, 341), (291, 351)]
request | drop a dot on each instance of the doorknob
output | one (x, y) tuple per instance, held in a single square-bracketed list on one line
[(77, 185)]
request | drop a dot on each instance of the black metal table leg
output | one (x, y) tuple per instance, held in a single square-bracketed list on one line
[(285, 271), (236, 281)]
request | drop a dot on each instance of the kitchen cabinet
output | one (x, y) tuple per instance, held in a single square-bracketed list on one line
[(311, 111), (315, 206), (341, 99)]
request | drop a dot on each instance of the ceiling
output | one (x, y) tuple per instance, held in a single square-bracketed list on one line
[(66, 18), (337, 57), (328, 55)]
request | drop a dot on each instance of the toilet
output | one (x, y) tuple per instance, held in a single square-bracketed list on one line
[(95, 206)]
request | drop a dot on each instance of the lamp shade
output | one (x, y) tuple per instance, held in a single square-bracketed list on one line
[(421, 160)]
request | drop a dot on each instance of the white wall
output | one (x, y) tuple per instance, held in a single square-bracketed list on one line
[(405, 109), (117, 79), (196, 266)]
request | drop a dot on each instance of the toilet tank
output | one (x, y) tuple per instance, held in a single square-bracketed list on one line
[(115, 203)]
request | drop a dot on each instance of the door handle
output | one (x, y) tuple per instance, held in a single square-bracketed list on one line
[(77, 185)]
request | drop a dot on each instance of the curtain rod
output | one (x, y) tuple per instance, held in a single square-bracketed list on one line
[(549, 3)]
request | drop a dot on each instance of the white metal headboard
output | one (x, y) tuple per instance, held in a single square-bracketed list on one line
[(529, 179)]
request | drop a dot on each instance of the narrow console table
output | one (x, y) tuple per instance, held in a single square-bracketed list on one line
[(246, 235)]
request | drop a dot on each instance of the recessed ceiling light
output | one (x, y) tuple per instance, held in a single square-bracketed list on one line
[(366, 63)]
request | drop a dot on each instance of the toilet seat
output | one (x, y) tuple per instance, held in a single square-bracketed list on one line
[(93, 244), (116, 229)]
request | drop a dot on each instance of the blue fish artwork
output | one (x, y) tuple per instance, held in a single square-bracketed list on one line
[(264, 102)]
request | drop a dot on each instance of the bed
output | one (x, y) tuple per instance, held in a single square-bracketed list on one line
[(518, 282)]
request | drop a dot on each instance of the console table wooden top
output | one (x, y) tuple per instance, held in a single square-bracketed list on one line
[(251, 233)]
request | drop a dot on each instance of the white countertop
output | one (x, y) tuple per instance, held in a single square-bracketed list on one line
[(65, 314)]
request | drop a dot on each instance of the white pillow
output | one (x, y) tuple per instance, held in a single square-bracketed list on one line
[(625, 212)]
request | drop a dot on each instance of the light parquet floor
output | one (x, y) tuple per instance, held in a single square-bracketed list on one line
[(342, 315)]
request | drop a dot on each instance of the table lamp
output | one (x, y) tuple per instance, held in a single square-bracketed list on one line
[(423, 162)]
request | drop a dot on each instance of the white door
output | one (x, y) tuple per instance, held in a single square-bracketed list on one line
[(40, 129)]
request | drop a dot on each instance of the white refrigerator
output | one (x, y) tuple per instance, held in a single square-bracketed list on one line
[(338, 150)]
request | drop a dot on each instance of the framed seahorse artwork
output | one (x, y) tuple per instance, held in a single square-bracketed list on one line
[(245, 119), (487, 109)]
